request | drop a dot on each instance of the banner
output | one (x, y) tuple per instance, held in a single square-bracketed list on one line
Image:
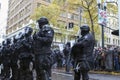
[(102, 17)]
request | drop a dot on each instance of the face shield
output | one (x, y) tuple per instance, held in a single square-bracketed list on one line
[(20, 35), (37, 26), (8, 41), (28, 31)]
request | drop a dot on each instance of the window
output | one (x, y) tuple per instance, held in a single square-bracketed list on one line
[(113, 41), (116, 41), (109, 40), (69, 15), (38, 4), (106, 40), (48, 1), (20, 24), (76, 17), (28, 8), (63, 14), (14, 27)]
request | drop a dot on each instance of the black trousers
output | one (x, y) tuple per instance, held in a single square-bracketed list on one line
[(24, 71), (83, 74), (82, 68), (6, 70), (43, 67), (14, 68), (67, 63)]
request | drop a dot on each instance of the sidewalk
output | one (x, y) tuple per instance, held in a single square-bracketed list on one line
[(106, 72), (92, 71), (60, 74)]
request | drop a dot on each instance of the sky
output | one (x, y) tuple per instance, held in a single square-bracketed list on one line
[(3, 12), (3, 17)]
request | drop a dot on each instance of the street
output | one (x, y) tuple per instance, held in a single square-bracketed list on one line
[(57, 75), (64, 76)]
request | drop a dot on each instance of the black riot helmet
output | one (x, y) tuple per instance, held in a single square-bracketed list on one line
[(3, 43), (84, 29), (8, 41), (28, 31), (20, 35), (68, 44), (15, 39), (42, 21)]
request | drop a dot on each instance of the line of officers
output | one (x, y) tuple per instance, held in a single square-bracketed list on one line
[(26, 51), (27, 48)]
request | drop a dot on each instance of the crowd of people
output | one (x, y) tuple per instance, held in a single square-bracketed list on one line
[(107, 58)]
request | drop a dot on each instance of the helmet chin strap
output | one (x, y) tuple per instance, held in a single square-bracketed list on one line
[(84, 33), (40, 26)]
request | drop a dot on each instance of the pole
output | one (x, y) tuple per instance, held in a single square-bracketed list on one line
[(102, 36), (102, 26), (119, 19), (102, 8), (80, 18)]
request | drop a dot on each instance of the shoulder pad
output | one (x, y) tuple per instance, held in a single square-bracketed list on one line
[(47, 28), (86, 36)]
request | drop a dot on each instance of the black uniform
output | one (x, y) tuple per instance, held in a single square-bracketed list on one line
[(42, 49), (0, 58), (25, 55), (0, 54), (82, 53), (58, 57), (1, 61), (14, 59), (6, 58), (66, 52)]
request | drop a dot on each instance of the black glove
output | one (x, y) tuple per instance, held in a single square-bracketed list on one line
[(34, 36)]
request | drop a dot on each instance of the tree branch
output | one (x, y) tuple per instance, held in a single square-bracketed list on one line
[(94, 7), (90, 3), (87, 4), (113, 17), (95, 17), (83, 5)]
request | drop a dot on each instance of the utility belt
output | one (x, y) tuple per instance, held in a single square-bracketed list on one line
[(44, 60), (25, 55), (42, 53), (82, 65)]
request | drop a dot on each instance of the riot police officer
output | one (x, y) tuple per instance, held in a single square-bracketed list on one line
[(82, 54), (0, 58), (2, 51), (25, 55), (14, 59), (42, 49), (58, 58), (6, 58), (66, 52)]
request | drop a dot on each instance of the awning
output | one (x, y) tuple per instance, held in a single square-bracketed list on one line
[(115, 32)]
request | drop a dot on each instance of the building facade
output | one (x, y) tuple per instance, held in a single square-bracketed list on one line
[(20, 11), (18, 14), (112, 24)]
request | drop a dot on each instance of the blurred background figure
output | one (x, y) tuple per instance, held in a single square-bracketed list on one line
[(66, 52)]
